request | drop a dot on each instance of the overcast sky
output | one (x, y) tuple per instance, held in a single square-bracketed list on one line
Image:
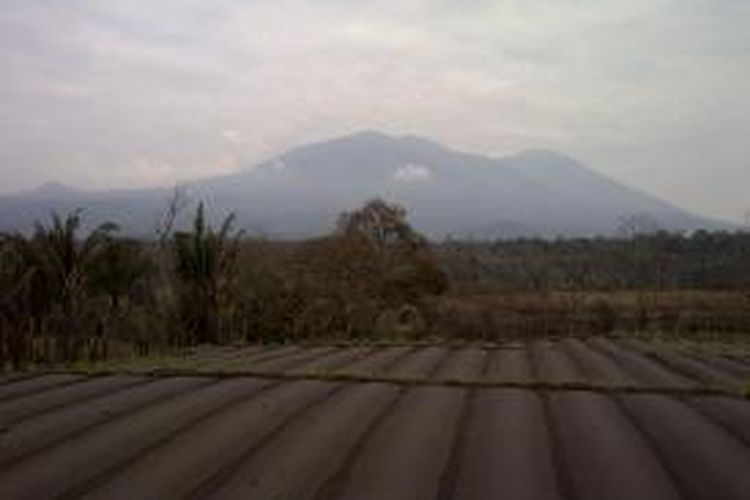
[(136, 93)]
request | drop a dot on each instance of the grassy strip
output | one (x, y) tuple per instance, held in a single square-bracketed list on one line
[(699, 345), (173, 359), (343, 377), (428, 342)]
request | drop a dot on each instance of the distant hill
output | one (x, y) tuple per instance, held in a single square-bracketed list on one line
[(447, 192)]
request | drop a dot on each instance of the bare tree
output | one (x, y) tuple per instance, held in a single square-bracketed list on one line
[(383, 224), (176, 204)]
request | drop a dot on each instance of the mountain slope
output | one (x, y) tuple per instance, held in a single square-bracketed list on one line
[(300, 192)]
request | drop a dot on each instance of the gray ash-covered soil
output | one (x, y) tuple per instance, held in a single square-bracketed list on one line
[(568, 419)]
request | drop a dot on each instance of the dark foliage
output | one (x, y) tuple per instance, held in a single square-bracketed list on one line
[(661, 261), (67, 294)]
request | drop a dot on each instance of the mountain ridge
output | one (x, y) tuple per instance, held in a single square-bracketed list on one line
[(298, 193)]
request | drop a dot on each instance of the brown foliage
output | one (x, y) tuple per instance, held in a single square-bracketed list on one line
[(373, 262)]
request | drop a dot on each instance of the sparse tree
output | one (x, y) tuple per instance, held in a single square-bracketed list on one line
[(407, 266), (373, 262), (206, 272), (119, 267), (54, 267)]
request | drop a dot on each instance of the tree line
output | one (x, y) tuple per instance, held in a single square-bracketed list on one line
[(67, 295), (642, 282), (699, 260), (70, 294)]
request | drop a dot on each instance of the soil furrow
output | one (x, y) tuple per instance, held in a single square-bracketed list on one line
[(37, 385), (725, 365), (377, 361), (259, 359), (450, 474), (191, 459), (707, 462), (96, 453), (598, 368), (406, 453), (420, 363), (463, 365), (554, 365), (506, 449), (687, 366), (228, 470), (731, 414), (566, 487), (67, 395), (291, 465), (334, 361), (510, 365), (638, 366), (606, 457), (46, 431), (331, 488)]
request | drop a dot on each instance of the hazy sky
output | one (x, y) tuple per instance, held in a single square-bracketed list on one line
[(136, 93)]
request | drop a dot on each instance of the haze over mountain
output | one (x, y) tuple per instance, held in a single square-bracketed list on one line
[(446, 192)]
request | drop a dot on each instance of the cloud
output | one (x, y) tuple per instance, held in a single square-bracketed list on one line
[(413, 173), (231, 136), (278, 164), (648, 92)]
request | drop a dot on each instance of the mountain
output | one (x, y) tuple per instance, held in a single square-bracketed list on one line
[(446, 192)]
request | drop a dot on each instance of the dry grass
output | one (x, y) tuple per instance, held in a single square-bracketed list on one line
[(523, 314)]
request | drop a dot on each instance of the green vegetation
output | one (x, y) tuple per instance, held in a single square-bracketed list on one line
[(45, 289), (68, 294), (649, 283), (206, 271), (638, 262)]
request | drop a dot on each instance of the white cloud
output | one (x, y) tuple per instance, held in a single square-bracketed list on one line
[(231, 136), (278, 164), (645, 91), (413, 173)]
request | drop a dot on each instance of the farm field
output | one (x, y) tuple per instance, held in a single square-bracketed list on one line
[(550, 419)]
